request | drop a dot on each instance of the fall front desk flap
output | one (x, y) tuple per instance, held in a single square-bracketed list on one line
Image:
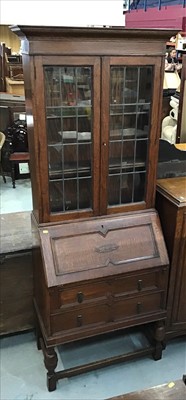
[(103, 246)]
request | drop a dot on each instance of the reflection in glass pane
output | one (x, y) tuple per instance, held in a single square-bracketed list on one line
[(114, 190), (130, 108), (128, 153), (139, 186), (145, 84), (85, 193), (55, 160), (52, 86), (117, 85), (70, 160), (141, 153), (68, 91), (143, 123), (70, 194), (53, 127), (126, 188), (131, 85), (84, 159), (116, 123), (116, 110), (115, 154), (56, 196)]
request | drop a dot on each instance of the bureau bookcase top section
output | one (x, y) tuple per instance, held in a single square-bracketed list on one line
[(93, 103)]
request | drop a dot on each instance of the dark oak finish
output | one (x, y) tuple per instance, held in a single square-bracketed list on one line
[(16, 273), (171, 205), (97, 48), (181, 126), (168, 391), (93, 123)]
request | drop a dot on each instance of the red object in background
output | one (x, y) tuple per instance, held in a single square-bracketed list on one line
[(173, 17)]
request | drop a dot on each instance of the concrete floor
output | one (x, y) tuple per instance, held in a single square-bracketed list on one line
[(23, 375), (15, 200)]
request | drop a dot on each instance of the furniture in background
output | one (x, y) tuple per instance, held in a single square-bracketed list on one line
[(17, 158), (2, 140), (11, 71), (181, 128), (15, 151), (171, 160), (171, 206), (14, 86), (16, 273), (93, 166), (14, 78), (4, 50), (15, 103)]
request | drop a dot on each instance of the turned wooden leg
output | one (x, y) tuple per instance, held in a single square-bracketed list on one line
[(50, 361), (159, 335), (38, 333), (38, 336)]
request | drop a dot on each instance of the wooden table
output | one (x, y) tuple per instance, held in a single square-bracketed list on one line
[(169, 391), (17, 158)]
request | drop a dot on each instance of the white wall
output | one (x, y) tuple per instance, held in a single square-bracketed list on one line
[(62, 12)]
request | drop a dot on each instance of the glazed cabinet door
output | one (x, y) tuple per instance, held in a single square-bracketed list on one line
[(131, 93), (68, 104), (98, 120)]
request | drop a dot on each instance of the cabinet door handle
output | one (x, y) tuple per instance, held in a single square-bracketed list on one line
[(79, 320), (80, 297), (140, 284), (139, 307)]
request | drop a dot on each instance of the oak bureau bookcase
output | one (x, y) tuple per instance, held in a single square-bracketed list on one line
[(93, 104)]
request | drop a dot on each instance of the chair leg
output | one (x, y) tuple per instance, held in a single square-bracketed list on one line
[(4, 179), (2, 173)]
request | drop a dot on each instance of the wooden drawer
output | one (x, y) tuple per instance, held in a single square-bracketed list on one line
[(125, 285), (113, 309)]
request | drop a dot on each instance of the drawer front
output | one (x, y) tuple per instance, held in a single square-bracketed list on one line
[(85, 293), (113, 310)]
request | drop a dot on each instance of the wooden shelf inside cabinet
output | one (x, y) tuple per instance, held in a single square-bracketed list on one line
[(102, 264)]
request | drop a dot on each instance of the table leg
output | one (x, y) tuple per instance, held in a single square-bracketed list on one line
[(13, 174)]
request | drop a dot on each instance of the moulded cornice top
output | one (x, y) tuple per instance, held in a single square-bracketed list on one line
[(51, 32)]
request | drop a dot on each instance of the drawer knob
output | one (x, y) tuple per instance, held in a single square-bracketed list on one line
[(79, 320), (140, 284), (80, 297), (139, 307)]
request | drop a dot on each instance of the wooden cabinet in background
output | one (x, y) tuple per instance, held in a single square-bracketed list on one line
[(16, 273), (93, 100), (171, 205)]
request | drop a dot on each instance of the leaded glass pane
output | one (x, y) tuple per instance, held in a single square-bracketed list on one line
[(130, 109), (68, 92)]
